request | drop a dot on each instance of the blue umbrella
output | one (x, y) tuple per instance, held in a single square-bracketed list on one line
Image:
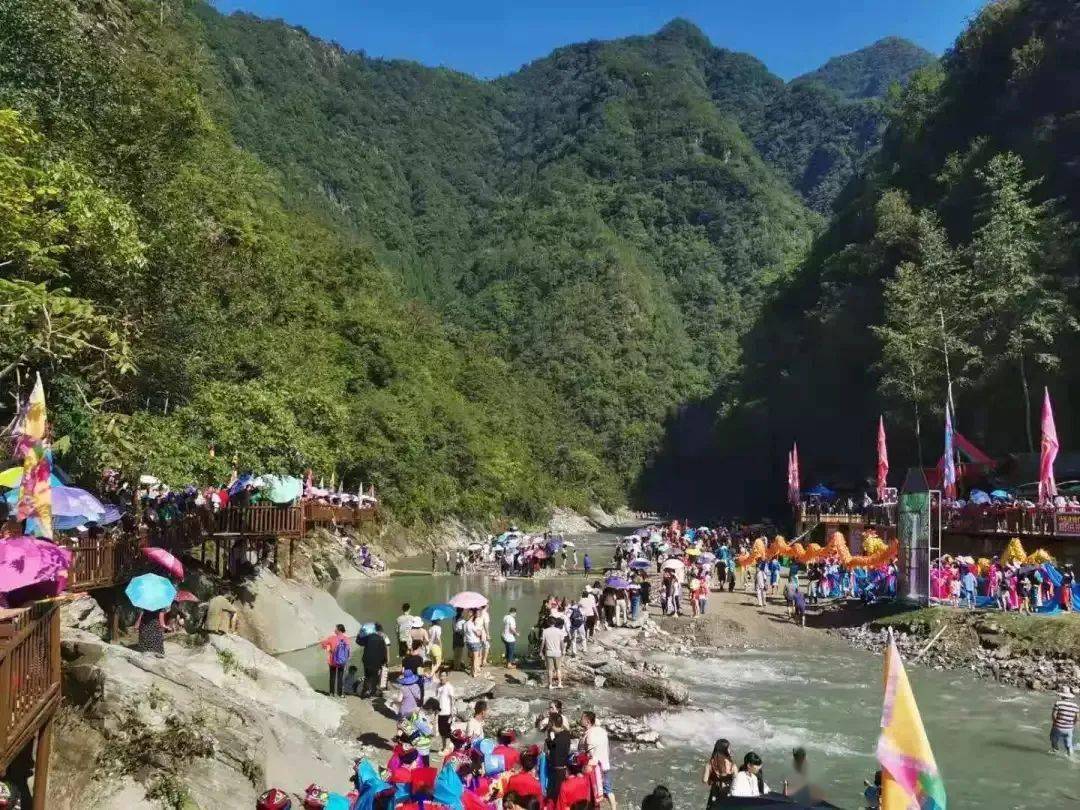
[(640, 565), (247, 479), (282, 488), (151, 592), (436, 613), (617, 582), (1000, 494)]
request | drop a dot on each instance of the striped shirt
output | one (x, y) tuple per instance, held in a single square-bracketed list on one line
[(1064, 714)]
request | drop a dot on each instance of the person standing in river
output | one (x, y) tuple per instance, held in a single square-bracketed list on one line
[(510, 637), (1063, 722), (404, 630), (458, 642), (719, 773)]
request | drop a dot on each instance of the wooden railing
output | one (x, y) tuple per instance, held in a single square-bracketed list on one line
[(29, 677), (101, 563), (880, 515), (264, 519), (325, 514), (1017, 522)]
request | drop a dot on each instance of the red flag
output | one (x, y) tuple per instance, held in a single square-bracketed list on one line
[(1048, 452), (882, 460)]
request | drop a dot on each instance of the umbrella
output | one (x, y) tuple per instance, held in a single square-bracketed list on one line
[(469, 600), (283, 488), (30, 561), (245, 480), (186, 596), (68, 502), (706, 558), (693, 552), (437, 612), (160, 556), (569, 544), (1000, 494), (150, 592), (640, 565), (672, 564), (618, 583), (476, 547)]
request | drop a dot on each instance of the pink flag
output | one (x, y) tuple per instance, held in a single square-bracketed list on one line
[(793, 476), (882, 460), (948, 474), (1048, 452)]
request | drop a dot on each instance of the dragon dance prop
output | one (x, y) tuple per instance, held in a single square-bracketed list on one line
[(877, 552)]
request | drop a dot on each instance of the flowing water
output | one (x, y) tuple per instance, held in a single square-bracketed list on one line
[(990, 741)]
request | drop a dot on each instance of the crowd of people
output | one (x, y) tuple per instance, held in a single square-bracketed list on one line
[(1007, 586)]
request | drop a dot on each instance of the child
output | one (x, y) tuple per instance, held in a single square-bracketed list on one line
[(954, 592), (1025, 595), (445, 696)]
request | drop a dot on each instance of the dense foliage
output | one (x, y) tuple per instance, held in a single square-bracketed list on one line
[(228, 242), (869, 72), (961, 236)]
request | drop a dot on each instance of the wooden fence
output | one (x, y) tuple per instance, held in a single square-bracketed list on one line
[(29, 682), (102, 562)]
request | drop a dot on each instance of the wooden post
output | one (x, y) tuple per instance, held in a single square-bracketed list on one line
[(41, 765), (291, 540)]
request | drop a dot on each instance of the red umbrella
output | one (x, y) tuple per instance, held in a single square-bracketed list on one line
[(160, 556)]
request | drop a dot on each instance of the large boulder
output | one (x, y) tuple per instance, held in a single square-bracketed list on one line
[(213, 725), (84, 613), (280, 615)]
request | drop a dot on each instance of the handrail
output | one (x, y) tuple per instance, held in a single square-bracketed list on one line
[(29, 677)]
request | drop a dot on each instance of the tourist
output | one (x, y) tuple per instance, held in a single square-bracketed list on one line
[(1067, 579), (749, 781), (414, 660), (410, 696), (352, 681), (557, 744), (544, 721), (458, 639), (484, 623), (524, 783), (404, 629), (551, 648), (594, 743), (659, 799), (799, 604), (1025, 594), (588, 606), (587, 563), (577, 620), (434, 648), (719, 772), (338, 652), (970, 585), (1003, 592), (446, 557), (474, 727), (1063, 722), (576, 789), (445, 694), (510, 637), (645, 592), (872, 794), (761, 584), (150, 628), (374, 660), (474, 642)]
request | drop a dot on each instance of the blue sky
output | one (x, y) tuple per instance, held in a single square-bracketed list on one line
[(490, 38)]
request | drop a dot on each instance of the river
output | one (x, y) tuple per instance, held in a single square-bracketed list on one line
[(990, 741)]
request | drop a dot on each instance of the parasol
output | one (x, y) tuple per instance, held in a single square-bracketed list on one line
[(468, 600), (618, 583), (672, 564), (31, 561), (437, 612), (640, 565), (163, 558), (150, 592)]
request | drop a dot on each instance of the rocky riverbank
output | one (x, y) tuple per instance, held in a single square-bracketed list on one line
[(1027, 653)]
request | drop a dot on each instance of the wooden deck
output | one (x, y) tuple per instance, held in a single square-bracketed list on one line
[(29, 688), (103, 562)]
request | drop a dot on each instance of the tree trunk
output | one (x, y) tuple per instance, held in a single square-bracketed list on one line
[(1027, 404)]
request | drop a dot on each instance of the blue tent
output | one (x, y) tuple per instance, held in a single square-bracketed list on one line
[(820, 491)]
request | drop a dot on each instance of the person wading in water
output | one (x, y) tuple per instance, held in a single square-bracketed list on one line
[(719, 772)]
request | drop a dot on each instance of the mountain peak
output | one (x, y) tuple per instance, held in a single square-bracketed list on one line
[(681, 28), (868, 72)]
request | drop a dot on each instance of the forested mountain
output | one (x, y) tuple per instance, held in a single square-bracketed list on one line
[(870, 71), (487, 297), (962, 235)]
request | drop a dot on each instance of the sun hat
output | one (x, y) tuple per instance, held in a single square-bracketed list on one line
[(417, 623), (408, 678)]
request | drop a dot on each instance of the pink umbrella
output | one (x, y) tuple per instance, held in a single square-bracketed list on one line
[(28, 561), (186, 596), (161, 557), (468, 600)]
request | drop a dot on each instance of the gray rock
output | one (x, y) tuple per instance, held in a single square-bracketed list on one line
[(508, 713), (469, 689), (84, 613), (517, 677)]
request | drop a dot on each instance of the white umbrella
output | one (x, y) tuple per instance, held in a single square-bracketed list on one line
[(674, 564), (569, 544)]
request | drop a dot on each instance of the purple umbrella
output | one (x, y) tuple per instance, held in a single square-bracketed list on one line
[(618, 583), (26, 561), (72, 501), (640, 565)]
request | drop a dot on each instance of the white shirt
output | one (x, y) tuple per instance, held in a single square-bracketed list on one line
[(551, 641), (404, 626), (484, 621), (509, 628), (474, 729), (587, 604), (445, 695), (595, 743), (472, 632), (745, 784), (434, 635)]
